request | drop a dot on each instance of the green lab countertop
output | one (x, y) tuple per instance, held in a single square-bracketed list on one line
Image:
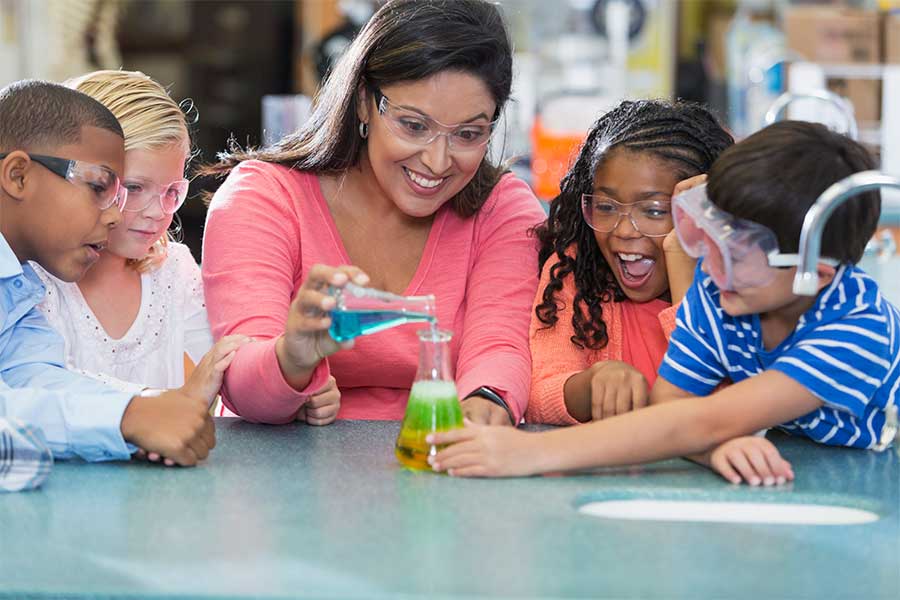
[(297, 511)]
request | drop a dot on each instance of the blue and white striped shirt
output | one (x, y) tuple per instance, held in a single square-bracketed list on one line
[(845, 350)]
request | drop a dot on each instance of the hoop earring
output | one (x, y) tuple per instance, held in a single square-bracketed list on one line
[(363, 129)]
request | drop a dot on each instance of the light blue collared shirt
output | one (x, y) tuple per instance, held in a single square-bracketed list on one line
[(78, 415)]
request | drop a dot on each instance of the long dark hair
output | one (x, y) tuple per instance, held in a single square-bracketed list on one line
[(684, 134), (406, 40)]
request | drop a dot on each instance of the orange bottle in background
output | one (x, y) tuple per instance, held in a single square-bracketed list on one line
[(553, 152)]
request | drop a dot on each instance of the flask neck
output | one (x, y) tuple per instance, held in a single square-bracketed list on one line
[(434, 356), (354, 297)]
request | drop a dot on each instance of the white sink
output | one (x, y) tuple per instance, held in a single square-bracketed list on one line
[(728, 512)]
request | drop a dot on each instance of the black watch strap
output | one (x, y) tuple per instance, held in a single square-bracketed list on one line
[(489, 394)]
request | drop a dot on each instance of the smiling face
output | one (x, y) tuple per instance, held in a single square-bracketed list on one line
[(62, 227), (420, 179), (146, 169), (637, 261)]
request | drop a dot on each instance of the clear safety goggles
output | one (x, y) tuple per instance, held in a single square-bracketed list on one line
[(102, 182), (650, 218), (421, 130), (737, 253), (142, 192)]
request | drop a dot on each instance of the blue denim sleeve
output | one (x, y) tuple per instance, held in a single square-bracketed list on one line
[(78, 415)]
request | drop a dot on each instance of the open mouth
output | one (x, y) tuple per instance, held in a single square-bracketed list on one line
[(635, 269), (420, 182)]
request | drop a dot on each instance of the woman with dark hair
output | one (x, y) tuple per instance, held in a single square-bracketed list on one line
[(390, 175)]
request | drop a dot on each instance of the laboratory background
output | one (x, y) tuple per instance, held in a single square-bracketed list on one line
[(752, 61)]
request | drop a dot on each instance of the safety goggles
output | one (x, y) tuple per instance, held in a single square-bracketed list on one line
[(651, 218), (737, 253), (142, 192), (421, 130), (102, 182)]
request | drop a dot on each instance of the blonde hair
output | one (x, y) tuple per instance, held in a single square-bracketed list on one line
[(150, 119)]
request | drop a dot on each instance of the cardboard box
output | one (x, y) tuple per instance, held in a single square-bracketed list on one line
[(826, 34), (834, 35), (892, 38), (865, 94)]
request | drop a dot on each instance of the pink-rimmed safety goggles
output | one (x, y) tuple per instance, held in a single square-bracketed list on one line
[(737, 253)]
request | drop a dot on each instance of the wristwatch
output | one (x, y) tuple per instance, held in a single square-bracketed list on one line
[(489, 394)]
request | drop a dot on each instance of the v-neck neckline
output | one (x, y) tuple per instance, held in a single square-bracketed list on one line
[(425, 260), (142, 309)]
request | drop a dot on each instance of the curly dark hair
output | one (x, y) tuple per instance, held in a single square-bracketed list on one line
[(684, 134)]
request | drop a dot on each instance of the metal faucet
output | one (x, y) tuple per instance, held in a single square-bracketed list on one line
[(842, 104), (806, 281)]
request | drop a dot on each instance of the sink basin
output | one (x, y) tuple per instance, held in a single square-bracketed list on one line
[(727, 512)]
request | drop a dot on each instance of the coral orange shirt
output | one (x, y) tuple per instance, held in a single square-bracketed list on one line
[(638, 335)]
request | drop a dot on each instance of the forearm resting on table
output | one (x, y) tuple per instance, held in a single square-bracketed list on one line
[(651, 434), (692, 427), (663, 392)]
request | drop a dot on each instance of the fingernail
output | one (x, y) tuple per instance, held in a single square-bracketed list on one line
[(781, 480), (429, 438), (754, 481), (327, 303), (735, 480), (769, 481), (361, 279), (339, 278), (451, 472), (430, 460)]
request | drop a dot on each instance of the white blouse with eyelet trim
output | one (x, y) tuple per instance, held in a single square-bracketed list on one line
[(171, 322)]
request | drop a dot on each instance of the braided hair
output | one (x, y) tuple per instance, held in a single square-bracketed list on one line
[(684, 134)]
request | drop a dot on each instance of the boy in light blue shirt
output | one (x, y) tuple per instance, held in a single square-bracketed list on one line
[(61, 156)]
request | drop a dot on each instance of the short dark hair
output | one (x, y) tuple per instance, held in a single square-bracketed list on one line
[(406, 40), (36, 113), (685, 136), (776, 174)]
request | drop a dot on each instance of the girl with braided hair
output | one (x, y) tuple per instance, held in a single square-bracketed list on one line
[(611, 266)]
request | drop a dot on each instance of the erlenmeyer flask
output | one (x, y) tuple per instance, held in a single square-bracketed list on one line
[(433, 403), (362, 310)]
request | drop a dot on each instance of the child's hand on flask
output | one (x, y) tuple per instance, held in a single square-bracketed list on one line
[(306, 340), (752, 459), (486, 451), (322, 407)]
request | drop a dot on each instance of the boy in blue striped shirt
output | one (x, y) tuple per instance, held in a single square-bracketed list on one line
[(825, 367)]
